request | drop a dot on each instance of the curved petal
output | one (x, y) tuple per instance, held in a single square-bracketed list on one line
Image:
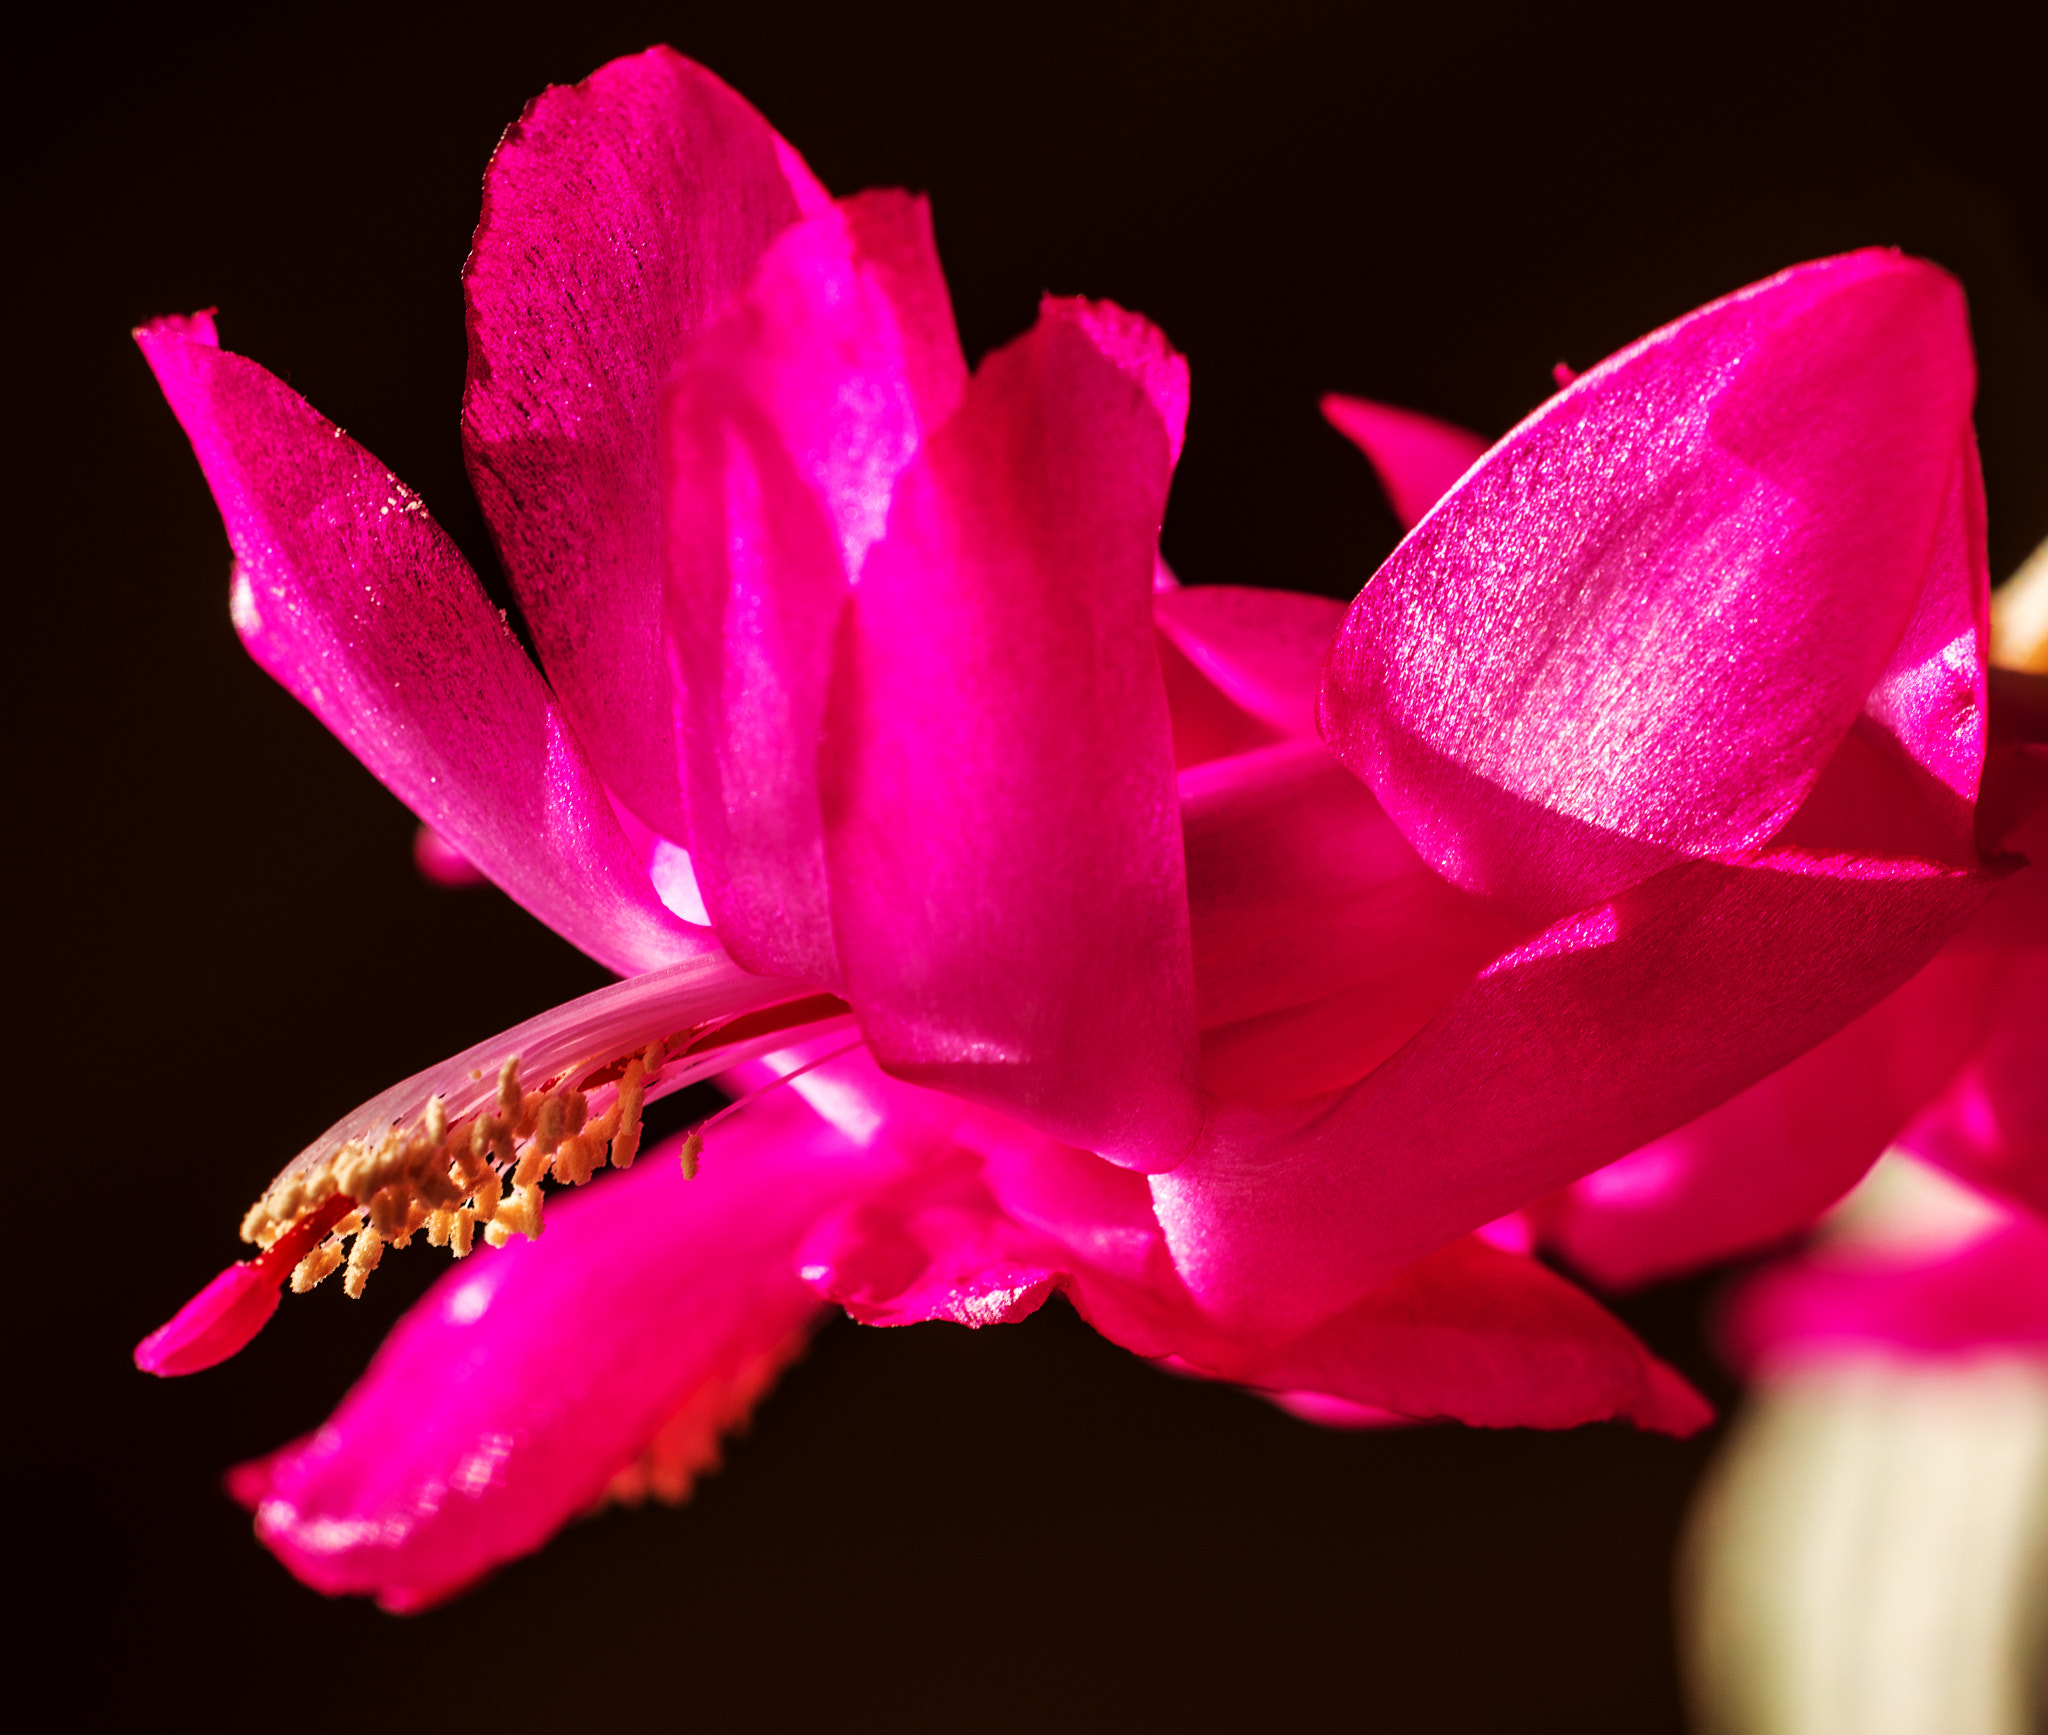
[(1264, 649), (1483, 1337), (353, 598), (512, 1394), (1764, 1164), (1002, 833), (1641, 628), (1321, 940), (1417, 458), (781, 442), (1596, 1036), (619, 215), (1991, 1126), (983, 1235), (1991, 1293)]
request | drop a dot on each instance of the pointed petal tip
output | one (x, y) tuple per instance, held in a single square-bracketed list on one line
[(215, 1324)]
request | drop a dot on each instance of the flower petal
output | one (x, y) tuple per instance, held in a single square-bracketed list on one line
[(1991, 1126), (782, 441), (1321, 941), (353, 598), (1264, 649), (1598, 1035), (1002, 831), (1990, 1293), (1763, 1165), (1417, 458), (1483, 1337), (510, 1396), (1641, 628), (619, 215)]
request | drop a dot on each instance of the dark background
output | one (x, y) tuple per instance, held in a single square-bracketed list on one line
[(218, 942)]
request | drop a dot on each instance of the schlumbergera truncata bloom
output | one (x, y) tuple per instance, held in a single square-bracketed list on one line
[(1227, 960)]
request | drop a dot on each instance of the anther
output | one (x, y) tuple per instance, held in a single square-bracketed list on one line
[(362, 1260), (692, 1149), (317, 1266)]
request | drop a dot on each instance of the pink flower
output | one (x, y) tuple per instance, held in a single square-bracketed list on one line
[(1651, 762)]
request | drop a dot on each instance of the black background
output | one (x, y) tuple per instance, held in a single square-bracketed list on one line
[(218, 941)]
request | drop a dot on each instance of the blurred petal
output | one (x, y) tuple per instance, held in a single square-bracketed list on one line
[(1417, 458), (1002, 831), (1264, 649), (355, 600), (527, 1378), (619, 215), (1641, 628), (2019, 617), (782, 442), (1867, 1554), (1913, 1264), (440, 862), (1598, 1035)]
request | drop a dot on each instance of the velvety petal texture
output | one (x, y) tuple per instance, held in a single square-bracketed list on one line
[(783, 439), (529, 1377), (1418, 459), (1002, 832), (348, 592), (620, 215), (1642, 627)]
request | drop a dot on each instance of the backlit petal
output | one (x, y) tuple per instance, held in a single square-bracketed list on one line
[(1002, 831), (1589, 1040), (348, 592), (619, 215), (782, 441), (525, 1380), (1642, 626)]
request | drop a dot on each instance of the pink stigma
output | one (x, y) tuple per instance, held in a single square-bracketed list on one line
[(224, 1316)]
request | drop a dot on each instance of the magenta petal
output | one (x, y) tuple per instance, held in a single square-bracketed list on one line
[(1989, 1294), (1418, 459), (1763, 1165), (781, 444), (1264, 649), (619, 215), (1641, 627), (1002, 830), (1598, 1035), (353, 598), (1483, 1337), (527, 1378), (1321, 940), (1931, 698)]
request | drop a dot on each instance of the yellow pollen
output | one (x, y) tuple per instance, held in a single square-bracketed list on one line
[(362, 1260), (317, 1266), (448, 1174)]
